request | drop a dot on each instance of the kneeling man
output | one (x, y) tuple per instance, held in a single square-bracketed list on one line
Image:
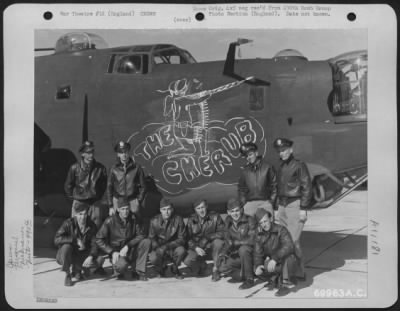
[(237, 253), (167, 234), (273, 246), (76, 244), (205, 237), (121, 237)]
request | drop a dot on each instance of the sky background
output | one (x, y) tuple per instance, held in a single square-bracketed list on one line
[(209, 44)]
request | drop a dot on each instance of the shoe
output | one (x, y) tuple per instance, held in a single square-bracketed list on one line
[(282, 291), (77, 276), (288, 284), (100, 271), (140, 276), (68, 280), (202, 270), (175, 271), (249, 283), (135, 275), (161, 272), (272, 284), (302, 278), (215, 276)]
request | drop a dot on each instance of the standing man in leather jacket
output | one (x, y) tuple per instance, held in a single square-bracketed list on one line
[(121, 237), (168, 237), (257, 182), (205, 237), (294, 197), (86, 182), (126, 180)]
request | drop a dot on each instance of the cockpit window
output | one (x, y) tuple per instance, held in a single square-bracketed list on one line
[(130, 64), (349, 95), (172, 56)]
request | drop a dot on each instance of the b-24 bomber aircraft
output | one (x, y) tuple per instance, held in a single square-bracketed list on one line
[(186, 120)]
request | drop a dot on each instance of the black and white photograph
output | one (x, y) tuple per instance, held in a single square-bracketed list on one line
[(178, 165)]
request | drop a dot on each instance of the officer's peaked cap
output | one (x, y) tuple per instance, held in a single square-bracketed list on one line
[(87, 146), (122, 146), (247, 147), (280, 143)]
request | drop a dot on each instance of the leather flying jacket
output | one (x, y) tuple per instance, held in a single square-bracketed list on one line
[(202, 232), (294, 181), (257, 182), (114, 234), (86, 182), (237, 235), (276, 243), (126, 181), (69, 233), (168, 234)]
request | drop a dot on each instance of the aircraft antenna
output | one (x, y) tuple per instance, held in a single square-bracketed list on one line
[(85, 125)]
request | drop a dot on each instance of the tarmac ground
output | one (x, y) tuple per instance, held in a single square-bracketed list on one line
[(334, 243)]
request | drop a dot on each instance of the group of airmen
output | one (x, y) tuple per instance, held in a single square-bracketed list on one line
[(259, 237)]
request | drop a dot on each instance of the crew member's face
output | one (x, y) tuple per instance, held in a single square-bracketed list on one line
[(166, 212), (235, 213), (201, 209), (251, 156), (123, 212), (265, 223), (88, 156), (123, 156), (81, 217), (285, 153)]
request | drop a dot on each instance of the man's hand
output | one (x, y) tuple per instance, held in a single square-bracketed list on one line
[(124, 251), (259, 270), (115, 257), (111, 211), (200, 251), (81, 246), (271, 266), (303, 215), (160, 251), (88, 262)]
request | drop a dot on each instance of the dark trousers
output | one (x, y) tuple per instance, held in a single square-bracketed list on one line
[(212, 250), (242, 259), (176, 255), (137, 255), (68, 255)]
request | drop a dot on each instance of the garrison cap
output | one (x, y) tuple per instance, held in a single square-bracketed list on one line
[(233, 203), (122, 202), (165, 202), (121, 147), (247, 147), (198, 202), (282, 143), (260, 213), (81, 206), (87, 146)]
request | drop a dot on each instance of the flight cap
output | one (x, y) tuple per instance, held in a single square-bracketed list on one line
[(122, 202), (233, 203), (260, 213), (165, 202), (81, 206)]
